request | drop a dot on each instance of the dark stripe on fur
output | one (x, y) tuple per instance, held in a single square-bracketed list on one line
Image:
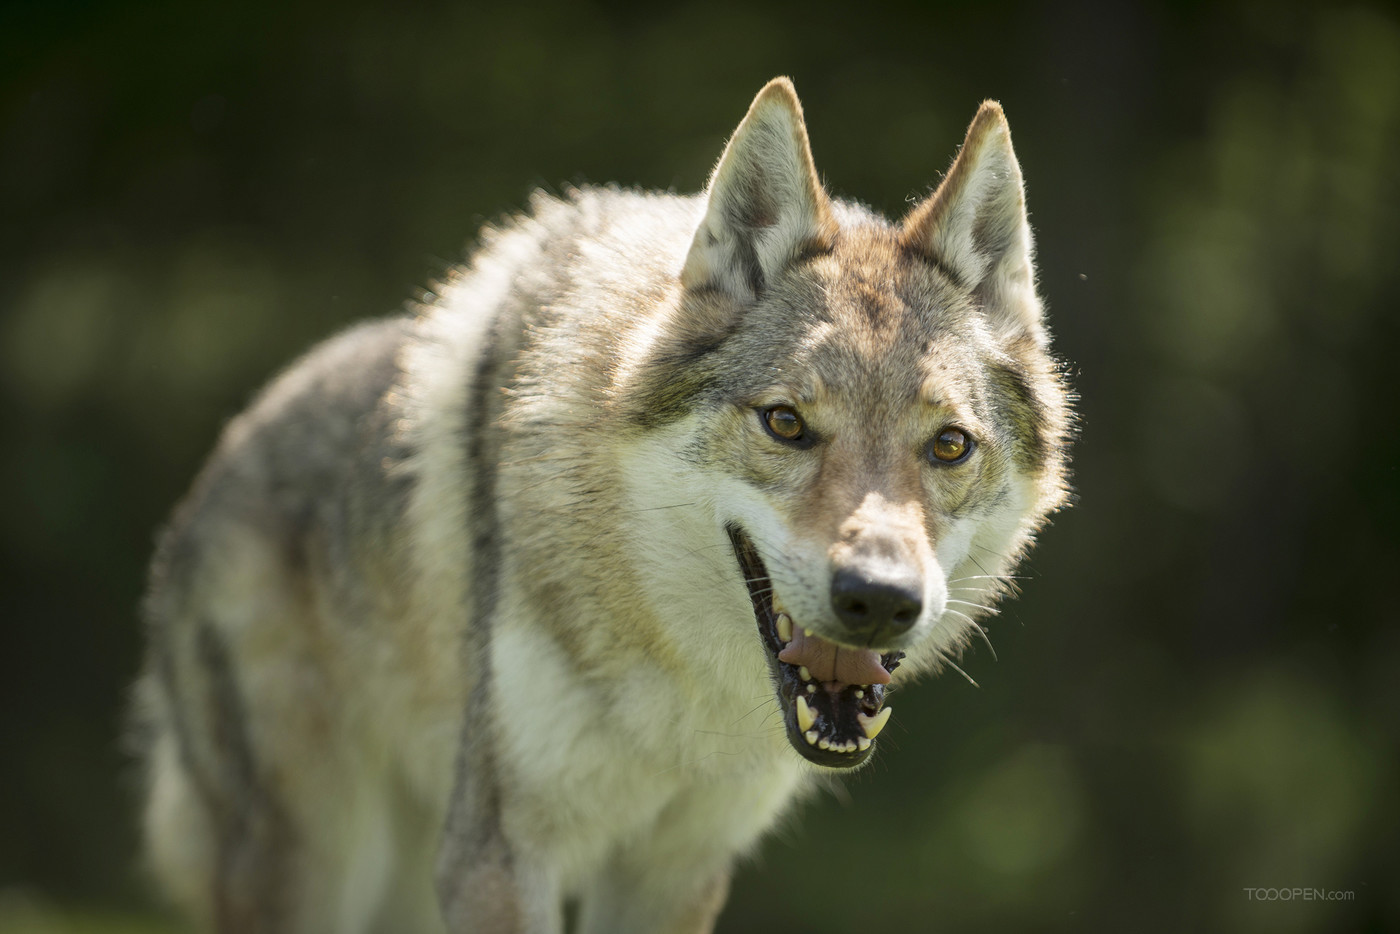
[(473, 837), (252, 882), (1018, 398), (938, 266), (673, 385), (175, 555)]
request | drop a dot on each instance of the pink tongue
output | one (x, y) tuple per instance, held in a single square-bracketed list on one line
[(830, 662)]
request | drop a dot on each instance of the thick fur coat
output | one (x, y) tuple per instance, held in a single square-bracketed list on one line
[(565, 585)]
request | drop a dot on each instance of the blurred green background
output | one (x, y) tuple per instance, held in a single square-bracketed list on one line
[(1197, 693)]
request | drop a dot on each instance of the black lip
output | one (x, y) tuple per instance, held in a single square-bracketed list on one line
[(836, 711)]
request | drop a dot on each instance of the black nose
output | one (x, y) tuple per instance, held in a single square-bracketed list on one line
[(876, 607)]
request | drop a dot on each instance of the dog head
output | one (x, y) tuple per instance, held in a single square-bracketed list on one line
[(881, 427)]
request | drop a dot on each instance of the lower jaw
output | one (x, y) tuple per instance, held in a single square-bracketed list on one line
[(832, 729), (831, 725)]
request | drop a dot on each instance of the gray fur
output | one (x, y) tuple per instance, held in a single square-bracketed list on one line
[(454, 625)]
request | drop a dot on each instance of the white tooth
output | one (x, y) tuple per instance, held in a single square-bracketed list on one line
[(873, 725), (784, 627), (811, 737), (805, 717), (824, 743), (862, 743), (811, 689), (859, 693), (806, 675)]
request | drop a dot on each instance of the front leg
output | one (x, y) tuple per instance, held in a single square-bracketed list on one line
[(483, 885), (672, 875), (633, 898), (490, 894)]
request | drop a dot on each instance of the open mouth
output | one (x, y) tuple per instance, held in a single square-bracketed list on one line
[(832, 696)]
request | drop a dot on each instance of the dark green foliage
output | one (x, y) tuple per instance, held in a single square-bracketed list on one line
[(1196, 693)]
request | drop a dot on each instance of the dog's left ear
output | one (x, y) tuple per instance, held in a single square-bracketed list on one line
[(765, 203), (974, 227)]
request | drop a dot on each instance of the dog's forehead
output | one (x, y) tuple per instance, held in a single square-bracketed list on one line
[(886, 323), (872, 273)]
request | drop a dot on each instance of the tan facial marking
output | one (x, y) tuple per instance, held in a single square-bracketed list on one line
[(883, 529)]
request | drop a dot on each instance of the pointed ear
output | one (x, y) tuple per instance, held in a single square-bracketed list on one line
[(974, 227), (765, 205)]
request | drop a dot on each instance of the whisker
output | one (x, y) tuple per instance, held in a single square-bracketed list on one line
[(757, 707), (981, 630), (979, 566), (953, 665), (704, 548), (980, 606), (656, 508)]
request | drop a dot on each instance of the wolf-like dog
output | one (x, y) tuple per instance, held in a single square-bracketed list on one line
[(564, 586)]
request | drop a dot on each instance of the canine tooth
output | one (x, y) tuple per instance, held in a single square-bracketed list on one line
[(862, 743), (873, 725), (811, 737), (806, 675), (805, 717), (784, 627)]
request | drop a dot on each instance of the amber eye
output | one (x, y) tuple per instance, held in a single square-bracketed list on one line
[(784, 423), (951, 446)]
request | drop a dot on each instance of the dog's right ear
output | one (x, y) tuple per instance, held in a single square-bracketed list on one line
[(765, 203)]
